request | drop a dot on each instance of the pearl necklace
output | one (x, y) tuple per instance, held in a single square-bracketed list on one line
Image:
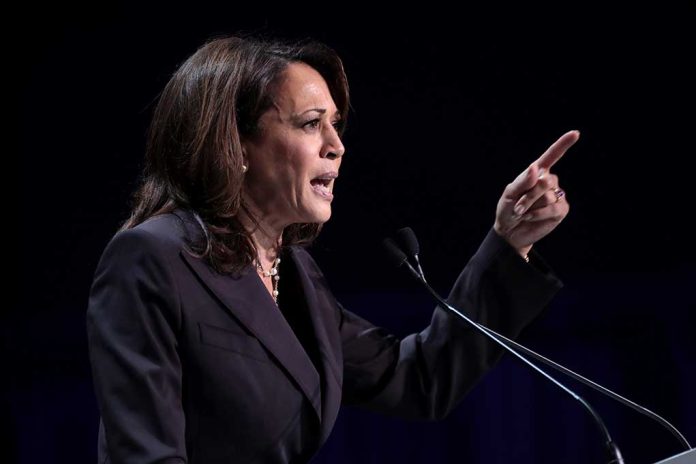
[(272, 273)]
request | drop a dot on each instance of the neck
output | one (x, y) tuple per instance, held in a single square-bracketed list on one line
[(267, 235)]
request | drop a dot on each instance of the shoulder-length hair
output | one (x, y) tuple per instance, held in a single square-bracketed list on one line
[(194, 153)]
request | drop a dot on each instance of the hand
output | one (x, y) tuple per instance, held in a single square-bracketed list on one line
[(534, 204)]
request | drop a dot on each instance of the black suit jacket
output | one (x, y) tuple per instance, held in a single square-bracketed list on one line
[(193, 366)]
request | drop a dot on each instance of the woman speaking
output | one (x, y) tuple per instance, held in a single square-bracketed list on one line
[(214, 336)]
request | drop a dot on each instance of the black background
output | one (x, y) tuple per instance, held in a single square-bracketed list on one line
[(447, 109)]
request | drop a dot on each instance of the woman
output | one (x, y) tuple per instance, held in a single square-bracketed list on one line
[(213, 335)]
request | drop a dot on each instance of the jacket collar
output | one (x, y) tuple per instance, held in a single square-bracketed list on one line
[(248, 300)]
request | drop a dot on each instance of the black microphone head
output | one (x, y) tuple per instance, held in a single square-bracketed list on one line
[(407, 239), (395, 254)]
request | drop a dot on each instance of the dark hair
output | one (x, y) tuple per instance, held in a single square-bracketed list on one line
[(194, 152)]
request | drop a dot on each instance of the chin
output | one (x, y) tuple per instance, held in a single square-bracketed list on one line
[(318, 216), (322, 218)]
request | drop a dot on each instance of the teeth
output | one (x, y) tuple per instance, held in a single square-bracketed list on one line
[(321, 188), (322, 185)]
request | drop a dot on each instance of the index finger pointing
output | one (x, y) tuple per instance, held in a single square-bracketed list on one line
[(558, 149)]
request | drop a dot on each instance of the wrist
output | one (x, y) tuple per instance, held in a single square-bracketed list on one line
[(524, 252)]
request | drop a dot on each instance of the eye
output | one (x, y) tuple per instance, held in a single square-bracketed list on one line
[(312, 124)]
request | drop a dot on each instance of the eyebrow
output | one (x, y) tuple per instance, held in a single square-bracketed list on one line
[(318, 110)]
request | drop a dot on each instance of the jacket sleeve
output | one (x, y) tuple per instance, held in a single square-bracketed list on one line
[(132, 320), (426, 374)]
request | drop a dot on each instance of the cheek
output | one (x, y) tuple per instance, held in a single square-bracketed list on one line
[(299, 166), (286, 167)]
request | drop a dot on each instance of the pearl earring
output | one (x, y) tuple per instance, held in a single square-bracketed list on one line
[(244, 168)]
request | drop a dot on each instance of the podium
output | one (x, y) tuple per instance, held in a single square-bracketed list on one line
[(687, 457)]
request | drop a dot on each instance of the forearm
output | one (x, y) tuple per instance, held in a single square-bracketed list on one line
[(426, 374)]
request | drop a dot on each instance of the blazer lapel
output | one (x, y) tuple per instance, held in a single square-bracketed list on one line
[(246, 298), (322, 308)]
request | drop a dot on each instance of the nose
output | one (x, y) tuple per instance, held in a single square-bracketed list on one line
[(334, 148)]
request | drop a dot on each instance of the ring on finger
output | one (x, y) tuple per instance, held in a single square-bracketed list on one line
[(559, 193)]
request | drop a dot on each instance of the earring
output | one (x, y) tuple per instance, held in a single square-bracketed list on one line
[(244, 168)]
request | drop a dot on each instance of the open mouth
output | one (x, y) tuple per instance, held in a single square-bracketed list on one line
[(322, 187)]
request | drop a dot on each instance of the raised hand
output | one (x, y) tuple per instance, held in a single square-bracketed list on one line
[(534, 203)]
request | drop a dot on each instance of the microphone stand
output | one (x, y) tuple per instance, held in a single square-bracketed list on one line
[(408, 238), (612, 449)]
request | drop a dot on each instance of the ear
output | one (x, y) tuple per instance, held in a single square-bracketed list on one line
[(245, 149), (245, 159)]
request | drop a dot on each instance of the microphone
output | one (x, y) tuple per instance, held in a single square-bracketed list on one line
[(400, 258), (408, 240)]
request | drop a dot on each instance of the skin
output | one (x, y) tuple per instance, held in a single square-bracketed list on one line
[(529, 209), (298, 143)]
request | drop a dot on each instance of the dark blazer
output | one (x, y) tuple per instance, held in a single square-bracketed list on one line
[(193, 366)]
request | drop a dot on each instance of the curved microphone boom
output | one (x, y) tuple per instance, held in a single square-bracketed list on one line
[(400, 258), (410, 244), (408, 240)]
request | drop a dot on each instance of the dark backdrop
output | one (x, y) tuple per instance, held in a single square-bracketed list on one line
[(447, 109)]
